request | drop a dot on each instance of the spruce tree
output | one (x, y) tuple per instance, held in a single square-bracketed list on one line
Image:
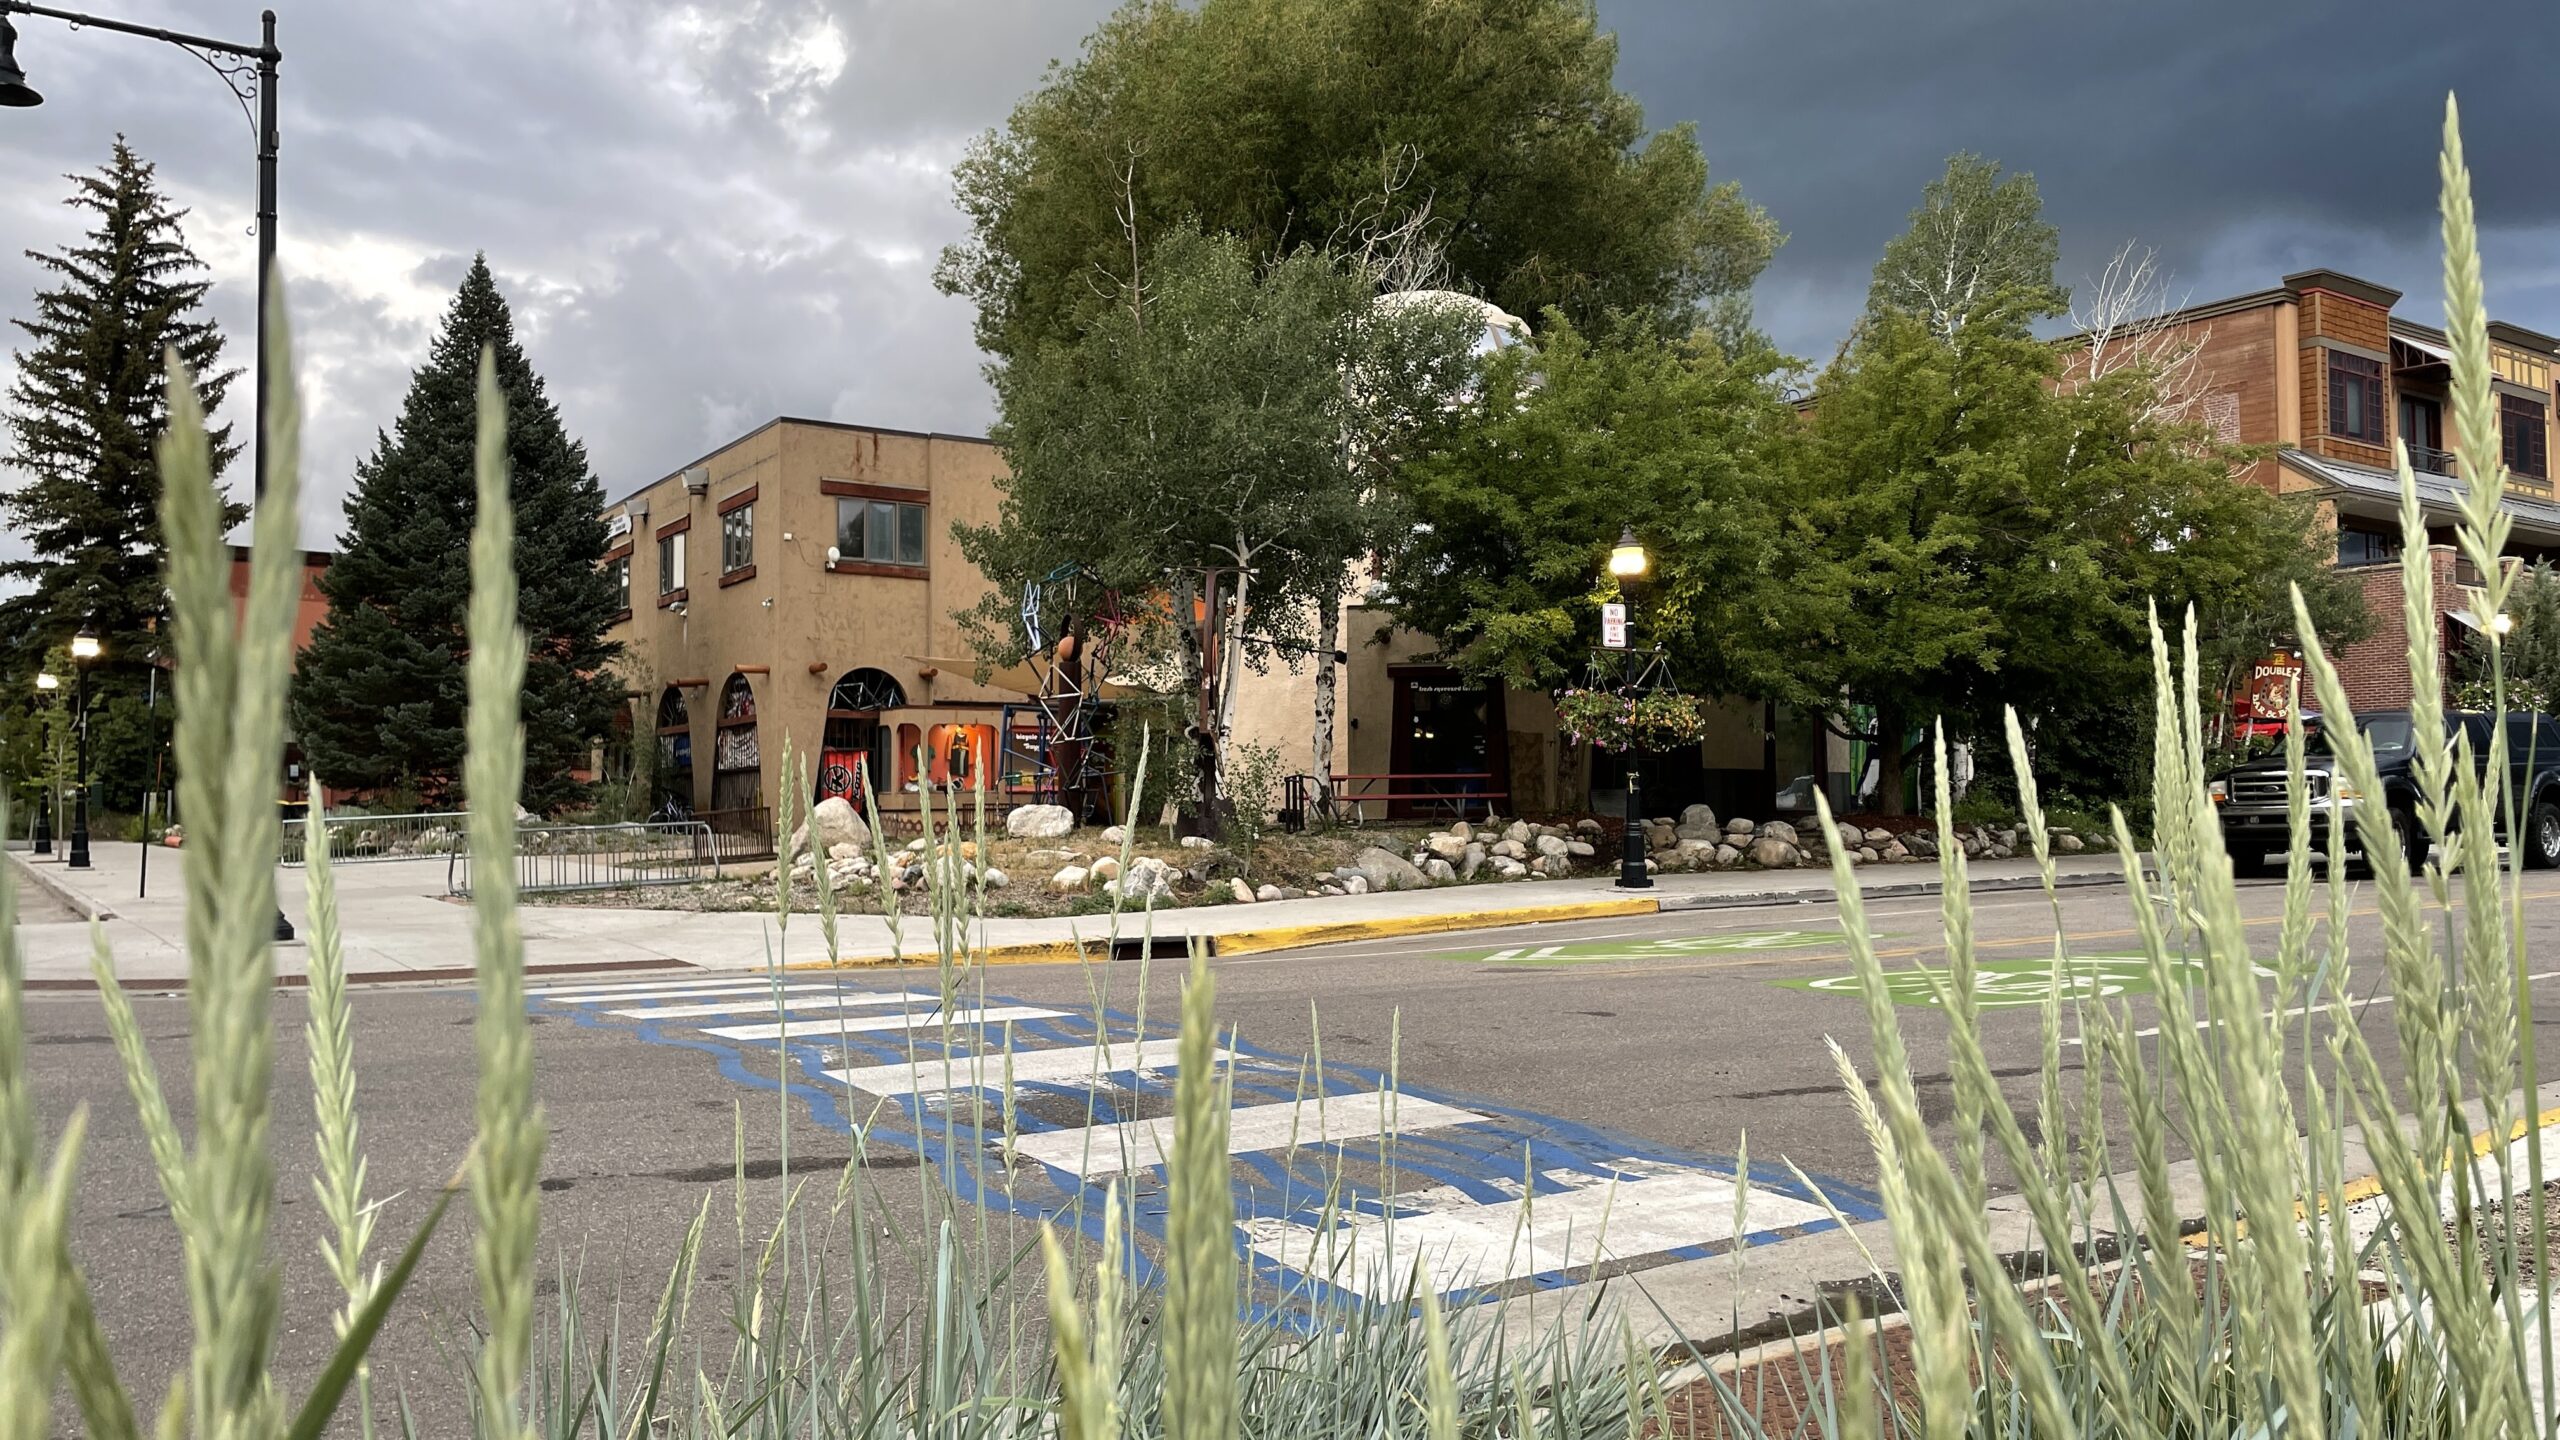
[(378, 695), (88, 403)]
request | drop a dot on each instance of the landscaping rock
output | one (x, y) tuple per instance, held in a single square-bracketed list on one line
[(1448, 845), (1470, 862), (996, 879), (2068, 843), (1769, 852), (1739, 826), (1580, 849), (1386, 870), (1587, 825), (832, 822), (1070, 880), (1198, 842), (1270, 892), (1895, 850), (1107, 868), (1116, 835), (1055, 857), (1694, 849), (1463, 830), (1782, 831), (1508, 868), (1357, 884), (1866, 855), (1919, 843), (1242, 892), (1439, 870), (1517, 832), (1510, 850), (1698, 822), (844, 850), (1551, 847), (1148, 880), (1727, 855), (1330, 890), (1039, 822), (1660, 835)]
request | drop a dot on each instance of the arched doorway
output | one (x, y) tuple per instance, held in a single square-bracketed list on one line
[(737, 764), (854, 736), (672, 787)]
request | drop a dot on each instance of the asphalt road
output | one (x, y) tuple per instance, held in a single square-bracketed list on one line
[(1682, 1031)]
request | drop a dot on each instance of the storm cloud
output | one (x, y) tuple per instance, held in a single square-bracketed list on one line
[(709, 214)]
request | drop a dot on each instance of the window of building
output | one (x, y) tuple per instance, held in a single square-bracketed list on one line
[(738, 539), (620, 570), (670, 563), (2366, 547), (2355, 398), (2524, 436), (880, 532), (2422, 430)]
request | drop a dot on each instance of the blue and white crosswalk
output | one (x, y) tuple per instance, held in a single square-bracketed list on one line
[(1348, 1183)]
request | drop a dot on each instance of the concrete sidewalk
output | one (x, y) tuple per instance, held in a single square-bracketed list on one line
[(396, 922)]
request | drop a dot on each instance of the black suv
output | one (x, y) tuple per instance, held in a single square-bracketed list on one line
[(2251, 798)]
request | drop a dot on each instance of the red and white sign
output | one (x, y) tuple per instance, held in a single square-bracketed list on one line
[(1613, 626)]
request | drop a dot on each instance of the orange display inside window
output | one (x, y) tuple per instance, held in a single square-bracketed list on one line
[(963, 755)]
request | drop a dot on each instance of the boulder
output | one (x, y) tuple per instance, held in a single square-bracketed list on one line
[(994, 879), (2068, 844), (1580, 849), (1271, 892), (1895, 850), (1330, 890), (1356, 885), (1070, 880), (1769, 852), (1463, 830), (1517, 832), (1509, 849), (1508, 868), (1919, 843), (1448, 845), (1107, 868), (1386, 870), (1660, 835), (1727, 855), (1470, 862), (1439, 871), (1698, 822), (1039, 822), (1867, 855), (1877, 835), (844, 851), (1694, 848), (1739, 826), (1116, 835), (1551, 847), (832, 822), (1242, 892), (1782, 831), (1198, 842), (1587, 826), (1551, 865), (1147, 880)]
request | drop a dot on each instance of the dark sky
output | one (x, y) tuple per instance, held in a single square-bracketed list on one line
[(710, 213)]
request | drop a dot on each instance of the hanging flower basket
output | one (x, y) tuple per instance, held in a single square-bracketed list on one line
[(1618, 721)]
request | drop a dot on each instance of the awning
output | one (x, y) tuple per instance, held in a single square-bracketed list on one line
[(2436, 354), (2463, 619), (1023, 679)]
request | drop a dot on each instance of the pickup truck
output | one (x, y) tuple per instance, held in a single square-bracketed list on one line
[(2250, 798)]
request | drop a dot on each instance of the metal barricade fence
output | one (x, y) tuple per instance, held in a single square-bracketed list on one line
[(601, 857), (358, 838)]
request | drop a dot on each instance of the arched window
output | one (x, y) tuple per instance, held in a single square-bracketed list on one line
[(672, 714), (737, 763), (866, 690), (673, 783)]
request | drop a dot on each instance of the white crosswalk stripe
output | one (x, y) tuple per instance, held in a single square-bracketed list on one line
[(581, 994), (1331, 1119), (929, 1018), (790, 1004), (1070, 1065)]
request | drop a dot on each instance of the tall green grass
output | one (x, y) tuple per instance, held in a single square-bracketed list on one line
[(848, 1315)]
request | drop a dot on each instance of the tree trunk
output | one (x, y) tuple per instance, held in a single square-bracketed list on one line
[(1891, 753), (1320, 754)]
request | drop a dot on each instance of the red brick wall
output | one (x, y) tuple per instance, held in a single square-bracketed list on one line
[(2375, 669)]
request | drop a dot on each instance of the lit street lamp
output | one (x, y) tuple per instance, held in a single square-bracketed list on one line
[(48, 684), (1627, 564), (84, 648), (249, 72)]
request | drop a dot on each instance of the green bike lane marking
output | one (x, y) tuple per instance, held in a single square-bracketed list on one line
[(2013, 984), (1599, 952)]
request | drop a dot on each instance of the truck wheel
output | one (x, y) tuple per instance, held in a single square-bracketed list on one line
[(2542, 836), (2249, 862), (2413, 839)]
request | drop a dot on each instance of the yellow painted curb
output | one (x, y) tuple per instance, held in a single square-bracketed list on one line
[(1278, 937), (1290, 937)]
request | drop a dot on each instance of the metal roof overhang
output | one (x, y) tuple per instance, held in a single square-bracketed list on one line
[(2364, 490)]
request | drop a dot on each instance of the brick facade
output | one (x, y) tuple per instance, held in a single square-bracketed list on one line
[(2376, 668)]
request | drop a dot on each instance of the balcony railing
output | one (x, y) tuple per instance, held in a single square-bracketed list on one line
[(2429, 461)]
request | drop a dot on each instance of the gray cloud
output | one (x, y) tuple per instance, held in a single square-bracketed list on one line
[(710, 213)]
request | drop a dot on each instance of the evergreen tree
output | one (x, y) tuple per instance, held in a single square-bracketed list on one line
[(378, 695), (88, 402)]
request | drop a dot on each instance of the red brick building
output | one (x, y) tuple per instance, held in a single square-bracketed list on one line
[(2321, 370)]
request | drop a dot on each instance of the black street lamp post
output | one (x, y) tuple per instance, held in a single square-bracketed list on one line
[(48, 685), (84, 648), (1628, 563), (249, 72)]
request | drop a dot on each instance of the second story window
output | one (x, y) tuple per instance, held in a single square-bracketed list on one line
[(2355, 398), (738, 539), (620, 570), (670, 563), (2524, 437), (880, 532)]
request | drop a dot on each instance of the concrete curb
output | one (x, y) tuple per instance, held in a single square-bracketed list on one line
[(28, 870), (1895, 890)]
